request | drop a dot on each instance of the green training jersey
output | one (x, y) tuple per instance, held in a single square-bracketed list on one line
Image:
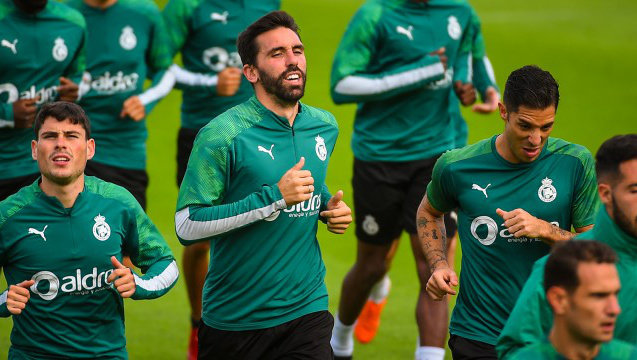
[(383, 63), (612, 350), (127, 44), (531, 318), (206, 31), (73, 311), (482, 76), (35, 51), (265, 261), (558, 187)]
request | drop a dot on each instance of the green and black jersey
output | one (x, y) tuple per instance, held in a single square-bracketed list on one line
[(206, 31), (558, 187), (35, 51), (127, 43), (265, 261), (74, 312), (384, 63)]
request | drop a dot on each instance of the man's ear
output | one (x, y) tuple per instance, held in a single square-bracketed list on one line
[(34, 150), (557, 298), (251, 73), (503, 111), (605, 193), (90, 149)]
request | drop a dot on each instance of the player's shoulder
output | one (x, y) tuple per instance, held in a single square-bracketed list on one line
[(146, 8), (467, 153), (109, 191), (620, 350), (18, 201), (371, 10), (66, 12), (563, 147), (320, 114), (6, 8), (223, 129), (540, 350)]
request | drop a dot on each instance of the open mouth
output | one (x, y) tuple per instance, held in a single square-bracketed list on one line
[(531, 152), (61, 159)]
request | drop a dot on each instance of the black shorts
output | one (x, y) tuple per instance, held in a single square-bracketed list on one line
[(387, 196), (307, 337), (135, 181), (11, 186), (185, 141), (467, 349)]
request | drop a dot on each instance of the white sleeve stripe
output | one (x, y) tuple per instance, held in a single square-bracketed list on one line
[(186, 77), (6, 123), (3, 297), (194, 230), (161, 281), (358, 85), (160, 90), (470, 68), (489, 67)]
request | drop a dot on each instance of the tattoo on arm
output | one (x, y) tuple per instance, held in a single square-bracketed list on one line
[(433, 238), (559, 234)]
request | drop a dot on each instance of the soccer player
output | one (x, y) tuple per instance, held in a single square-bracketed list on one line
[(205, 32), (615, 225), (126, 44), (62, 239), (255, 188), (516, 194), (400, 61), (581, 285), (41, 60)]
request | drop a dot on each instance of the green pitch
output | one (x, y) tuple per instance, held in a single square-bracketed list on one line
[(588, 46)]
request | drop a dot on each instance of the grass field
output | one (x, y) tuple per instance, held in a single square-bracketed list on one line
[(589, 47)]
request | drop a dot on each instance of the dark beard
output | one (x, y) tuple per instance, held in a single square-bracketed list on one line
[(622, 220), (274, 86)]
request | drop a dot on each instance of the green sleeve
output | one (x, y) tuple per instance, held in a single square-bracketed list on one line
[(531, 318), (6, 115), (440, 193), (586, 197), (483, 75), (202, 213), (176, 16), (351, 80), (148, 251)]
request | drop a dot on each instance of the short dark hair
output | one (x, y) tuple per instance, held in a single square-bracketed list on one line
[(561, 266), (246, 44), (531, 87), (612, 153), (62, 110)]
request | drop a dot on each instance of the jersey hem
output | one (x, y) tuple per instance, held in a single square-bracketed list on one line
[(490, 341)]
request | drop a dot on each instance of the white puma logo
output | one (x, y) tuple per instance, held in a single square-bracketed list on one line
[(406, 32), (223, 17), (261, 148), (41, 233), (11, 46), (484, 191)]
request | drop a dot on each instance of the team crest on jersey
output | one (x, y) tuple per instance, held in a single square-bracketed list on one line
[(128, 40), (370, 226), (60, 51), (547, 191), (101, 230), (453, 28), (321, 150)]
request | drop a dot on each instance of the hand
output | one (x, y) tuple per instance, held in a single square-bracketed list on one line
[(338, 214), (440, 283), (123, 279), (133, 108), (441, 54), (490, 104), (18, 296), (465, 92), (67, 90), (521, 223), (296, 185), (24, 111), (228, 81)]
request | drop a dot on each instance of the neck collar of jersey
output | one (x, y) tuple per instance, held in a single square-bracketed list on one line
[(497, 155), (53, 202), (269, 113)]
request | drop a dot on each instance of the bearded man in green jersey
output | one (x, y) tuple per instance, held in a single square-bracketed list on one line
[(62, 240), (615, 225), (581, 285), (255, 188), (516, 194), (42, 60)]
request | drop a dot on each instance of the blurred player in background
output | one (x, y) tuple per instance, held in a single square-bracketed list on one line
[(516, 194), (205, 33), (41, 60), (126, 44), (400, 61), (61, 242)]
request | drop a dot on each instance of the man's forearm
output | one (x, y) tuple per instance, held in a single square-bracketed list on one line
[(433, 239), (556, 234)]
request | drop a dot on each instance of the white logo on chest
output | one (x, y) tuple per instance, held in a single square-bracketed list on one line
[(547, 191), (101, 230), (10, 45), (128, 40), (38, 232), (406, 32), (453, 28), (269, 152), (321, 150), (60, 51), (484, 191), (223, 17)]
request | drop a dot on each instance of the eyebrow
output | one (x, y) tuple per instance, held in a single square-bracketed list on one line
[(280, 48), (69, 132)]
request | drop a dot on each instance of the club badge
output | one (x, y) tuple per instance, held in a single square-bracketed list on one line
[(128, 40), (547, 191), (321, 150), (101, 230), (60, 51)]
